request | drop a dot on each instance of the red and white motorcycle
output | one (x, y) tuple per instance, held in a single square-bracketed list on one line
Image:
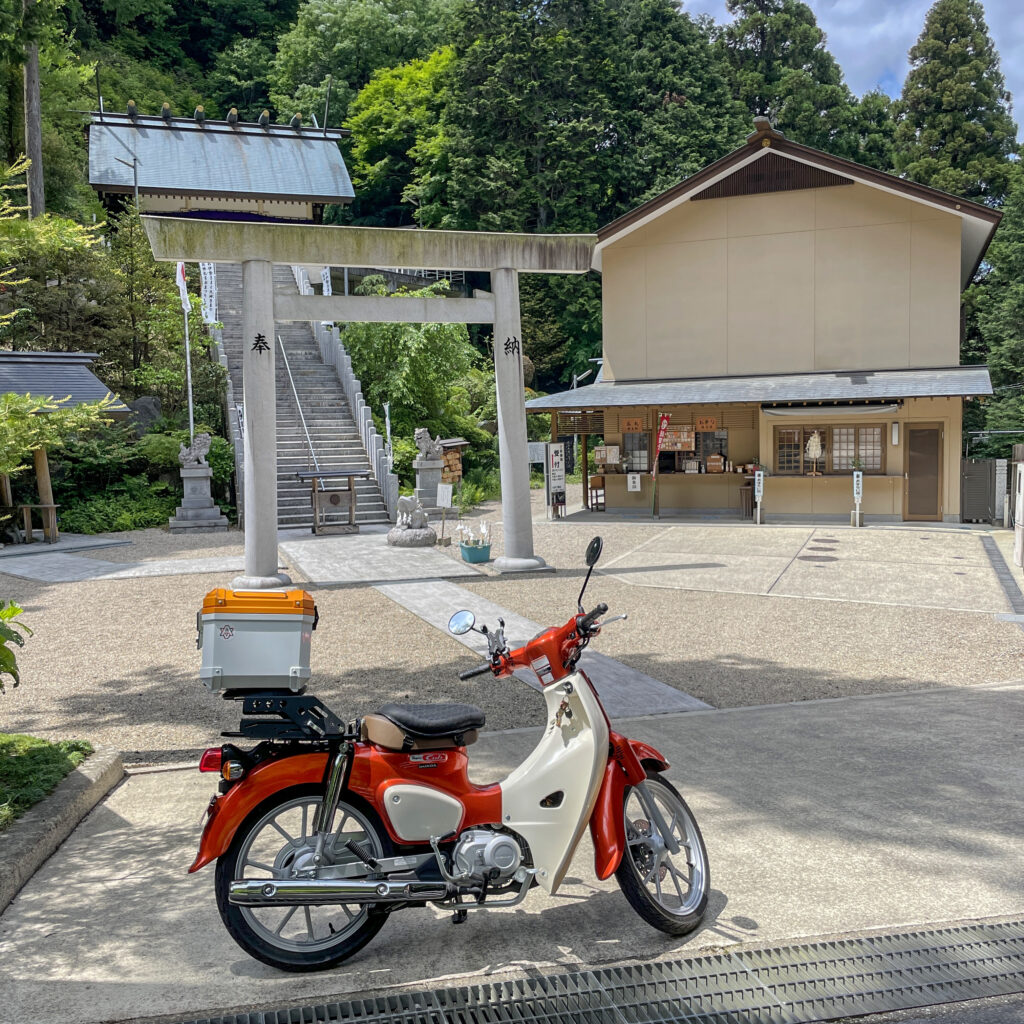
[(324, 829)]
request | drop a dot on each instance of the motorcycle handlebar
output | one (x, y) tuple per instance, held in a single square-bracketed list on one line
[(588, 620), (479, 671)]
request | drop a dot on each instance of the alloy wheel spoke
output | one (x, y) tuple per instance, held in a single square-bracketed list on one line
[(257, 864), (284, 920), (274, 824)]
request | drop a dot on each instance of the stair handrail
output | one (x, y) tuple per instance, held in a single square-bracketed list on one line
[(298, 406)]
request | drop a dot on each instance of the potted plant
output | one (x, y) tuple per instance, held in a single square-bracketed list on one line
[(475, 546)]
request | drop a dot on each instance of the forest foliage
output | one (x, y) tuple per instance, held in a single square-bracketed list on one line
[(516, 115)]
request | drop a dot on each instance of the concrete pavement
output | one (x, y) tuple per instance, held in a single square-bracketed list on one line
[(820, 817)]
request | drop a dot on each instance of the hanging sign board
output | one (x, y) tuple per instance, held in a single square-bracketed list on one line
[(536, 451), (662, 428), (706, 423), (632, 425), (759, 485), (678, 439), (632, 481), (444, 495), (858, 486), (612, 456)]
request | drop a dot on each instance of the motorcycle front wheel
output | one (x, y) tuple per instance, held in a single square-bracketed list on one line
[(669, 891), (277, 841)]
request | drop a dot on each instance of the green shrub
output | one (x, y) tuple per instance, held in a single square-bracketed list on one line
[(403, 452), (9, 612), (30, 768), (132, 504), (160, 452)]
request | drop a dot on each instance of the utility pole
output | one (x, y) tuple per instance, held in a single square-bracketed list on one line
[(33, 131)]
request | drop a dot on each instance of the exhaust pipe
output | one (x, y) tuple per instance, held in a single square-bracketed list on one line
[(291, 892)]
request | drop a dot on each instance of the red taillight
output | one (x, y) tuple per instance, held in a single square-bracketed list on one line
[(211, 760)]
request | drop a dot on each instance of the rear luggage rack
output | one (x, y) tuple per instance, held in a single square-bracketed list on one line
[(283, 715)]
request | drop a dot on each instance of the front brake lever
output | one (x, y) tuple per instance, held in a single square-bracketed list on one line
[(608, 622)]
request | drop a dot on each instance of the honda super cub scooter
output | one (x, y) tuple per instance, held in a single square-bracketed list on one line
[(324, 829)]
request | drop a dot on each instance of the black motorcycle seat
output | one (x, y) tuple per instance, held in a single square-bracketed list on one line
[(434, 719)]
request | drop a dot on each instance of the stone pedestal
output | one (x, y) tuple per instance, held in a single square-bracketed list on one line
[(198, 511), (428, 476), (407, 537)]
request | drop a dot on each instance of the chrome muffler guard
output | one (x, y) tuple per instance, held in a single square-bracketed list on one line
[(311, 892)]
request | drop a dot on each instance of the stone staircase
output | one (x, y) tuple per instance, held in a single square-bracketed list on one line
[(332, 429)]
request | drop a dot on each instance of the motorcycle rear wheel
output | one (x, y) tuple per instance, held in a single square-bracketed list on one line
[(669, 891), (268, 844)]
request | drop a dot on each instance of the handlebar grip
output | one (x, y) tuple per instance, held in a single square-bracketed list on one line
[(479, 671), (588, 620)]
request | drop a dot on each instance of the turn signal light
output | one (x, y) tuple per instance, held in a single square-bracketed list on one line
[(211, 760), (232, 770)]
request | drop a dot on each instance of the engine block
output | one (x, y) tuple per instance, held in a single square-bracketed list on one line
[(487, 855)]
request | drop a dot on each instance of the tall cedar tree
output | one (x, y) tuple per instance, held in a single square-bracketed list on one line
[(1001, 321), (560, 116), (955, 131), (781, 69)]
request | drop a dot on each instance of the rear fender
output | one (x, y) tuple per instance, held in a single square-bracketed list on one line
[(627, 765), (227, 812)]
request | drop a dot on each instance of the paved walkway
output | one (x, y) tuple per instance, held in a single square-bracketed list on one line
[(624, 691), (951, 569), (53, 567), (820, 817)]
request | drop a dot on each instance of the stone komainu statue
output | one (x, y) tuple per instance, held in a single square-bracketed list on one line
[(195, 454), (428, 448), (410, 514)]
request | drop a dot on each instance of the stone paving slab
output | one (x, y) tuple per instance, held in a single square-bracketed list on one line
[(61, 568), (368, 558), (958, 586), (820, 818), (66, 542), (708, 571), (624, 691)]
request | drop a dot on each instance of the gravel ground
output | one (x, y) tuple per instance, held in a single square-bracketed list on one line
[(740, 649), (115, 662), (159, 544)]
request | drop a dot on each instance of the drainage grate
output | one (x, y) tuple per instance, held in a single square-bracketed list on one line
[(788, 985)]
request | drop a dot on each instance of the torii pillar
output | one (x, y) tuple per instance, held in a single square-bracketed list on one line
[(517, 517)]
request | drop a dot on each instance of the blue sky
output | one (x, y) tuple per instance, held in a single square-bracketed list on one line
[(870, 38)]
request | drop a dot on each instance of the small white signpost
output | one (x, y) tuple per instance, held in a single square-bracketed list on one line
[(758, 494), (858, 497), (632, 481), (444, 502), (554, 479)]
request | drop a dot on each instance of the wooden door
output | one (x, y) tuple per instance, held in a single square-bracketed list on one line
[(922, 490)]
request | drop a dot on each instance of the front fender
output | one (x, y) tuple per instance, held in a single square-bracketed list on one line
[(227, 812), (626, 766)]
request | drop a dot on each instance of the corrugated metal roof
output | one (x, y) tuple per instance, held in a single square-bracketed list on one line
[(791, 387), (219, 159), (58, 374)]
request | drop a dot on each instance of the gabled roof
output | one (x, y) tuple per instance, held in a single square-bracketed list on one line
[(184, 157), (837, 385), (63, 375), (979, 221)]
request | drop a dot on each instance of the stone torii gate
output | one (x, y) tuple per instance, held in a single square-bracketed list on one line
[(259, 245)]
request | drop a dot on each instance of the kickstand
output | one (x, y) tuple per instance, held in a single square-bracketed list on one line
[(459, 915)]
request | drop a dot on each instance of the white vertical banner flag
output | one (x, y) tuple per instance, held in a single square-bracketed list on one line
[(186, 305)]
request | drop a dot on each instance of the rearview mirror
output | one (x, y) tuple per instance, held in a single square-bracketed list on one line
[(461, 622), (594, 549)]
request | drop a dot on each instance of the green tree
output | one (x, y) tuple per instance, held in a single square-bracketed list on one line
[(999, 316), (349, 40), (412, 366), (394, 119), (955, 131), (782, 69), (241, 78), (874, 125)]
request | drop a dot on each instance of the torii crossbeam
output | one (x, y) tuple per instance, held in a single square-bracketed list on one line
[(259, 245)]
